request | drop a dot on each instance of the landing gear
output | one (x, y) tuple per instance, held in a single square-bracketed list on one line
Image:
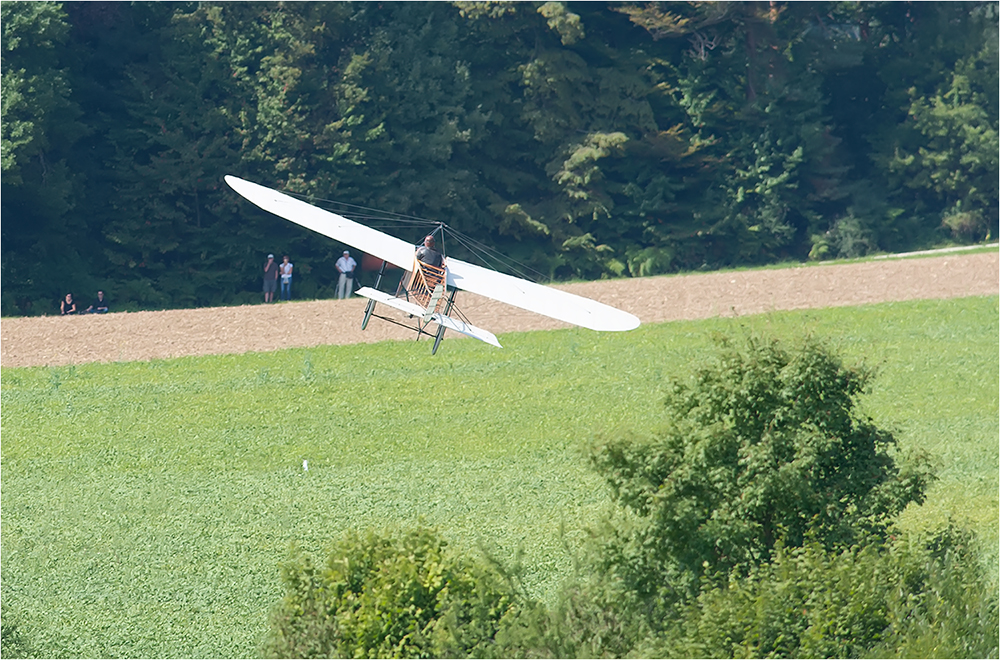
[(440, 333), (370, 307)]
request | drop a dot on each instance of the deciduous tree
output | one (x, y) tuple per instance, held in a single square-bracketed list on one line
[(763, 445)]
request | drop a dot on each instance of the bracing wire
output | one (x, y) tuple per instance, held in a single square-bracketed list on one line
[(378, 219), (370, 217), (491, 256)]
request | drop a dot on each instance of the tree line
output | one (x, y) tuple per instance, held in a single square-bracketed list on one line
[(582, 140)]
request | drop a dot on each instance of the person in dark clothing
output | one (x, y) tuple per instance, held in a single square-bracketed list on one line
[(270, 278), (428, 255), (67, 306), (99, 306)]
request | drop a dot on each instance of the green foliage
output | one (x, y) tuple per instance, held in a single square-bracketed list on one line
[(407, 596), (899, 600), (582, 140), (39, 127), (938, 150), (950, 609), (763, 445), (948, 146), (180, 138), (836, 593), (35, 90), (589, 618)]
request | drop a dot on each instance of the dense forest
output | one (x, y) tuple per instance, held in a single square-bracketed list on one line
[(582, 140)]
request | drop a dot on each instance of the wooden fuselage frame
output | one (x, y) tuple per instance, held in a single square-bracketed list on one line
[(422, 282)]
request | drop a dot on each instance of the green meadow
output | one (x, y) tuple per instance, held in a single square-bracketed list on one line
[(147, 507)]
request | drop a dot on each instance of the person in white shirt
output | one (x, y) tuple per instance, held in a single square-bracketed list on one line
[(285, 269), (346, 266)]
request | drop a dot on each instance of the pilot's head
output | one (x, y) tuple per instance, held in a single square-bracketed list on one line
[(429, 241)]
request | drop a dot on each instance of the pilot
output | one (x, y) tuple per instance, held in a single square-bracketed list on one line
[(428, 255)]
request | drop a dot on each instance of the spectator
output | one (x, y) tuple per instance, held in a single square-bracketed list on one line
[(270, 278), (99, 306), (286, 278), (346, 266), (67, 306)]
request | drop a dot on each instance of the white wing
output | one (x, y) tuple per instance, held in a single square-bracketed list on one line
[(491, 284), (539, 299), (365, 239)]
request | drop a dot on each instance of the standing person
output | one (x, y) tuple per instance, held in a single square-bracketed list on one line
[(270, 278), (67, 306), (346, 266), (99, 306), (286, 278)]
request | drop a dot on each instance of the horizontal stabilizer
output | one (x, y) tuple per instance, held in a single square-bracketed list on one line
[(416, 310), (411, 308), (466, 329)]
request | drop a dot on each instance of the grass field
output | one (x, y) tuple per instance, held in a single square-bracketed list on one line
[(146, 507)]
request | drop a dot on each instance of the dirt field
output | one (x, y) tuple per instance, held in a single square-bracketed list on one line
[(58, 340)]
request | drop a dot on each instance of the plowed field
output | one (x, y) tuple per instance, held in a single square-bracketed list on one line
[(55, 340)]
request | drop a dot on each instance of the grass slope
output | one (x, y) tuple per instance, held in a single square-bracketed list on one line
[(146, 506)]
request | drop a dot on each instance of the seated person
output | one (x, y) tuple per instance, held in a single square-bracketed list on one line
[(100, 305), (67, 306), (428, 255)]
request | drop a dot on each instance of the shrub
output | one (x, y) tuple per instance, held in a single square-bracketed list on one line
[(951, 610), (900, 597), (383, 596), (897, 600), (966, 226), (763, 444), (589, 619)]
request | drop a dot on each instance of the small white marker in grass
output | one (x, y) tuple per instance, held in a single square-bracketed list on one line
[(305, 465)]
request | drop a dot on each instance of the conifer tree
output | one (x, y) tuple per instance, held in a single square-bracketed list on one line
[(44, 242)]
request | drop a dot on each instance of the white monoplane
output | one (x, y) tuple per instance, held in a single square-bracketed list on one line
[(427, 292)]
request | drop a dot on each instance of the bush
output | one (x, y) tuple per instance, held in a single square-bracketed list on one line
[(762, 445), (389, 597), (965, 226), (589, 619), (951, 610), (899, 597), (898, 600)]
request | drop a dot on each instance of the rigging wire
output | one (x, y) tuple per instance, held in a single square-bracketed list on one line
[(372, 213), (484, 253)]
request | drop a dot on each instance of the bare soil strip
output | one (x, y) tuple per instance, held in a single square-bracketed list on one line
[(56, 341)]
